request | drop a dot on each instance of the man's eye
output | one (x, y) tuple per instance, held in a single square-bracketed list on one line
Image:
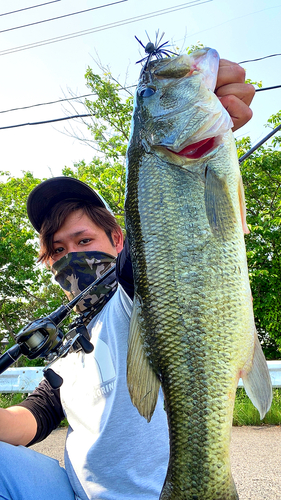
[(84, 241), (58, 250)]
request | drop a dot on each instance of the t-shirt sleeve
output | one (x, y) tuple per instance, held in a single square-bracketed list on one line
[(45, 405), (124, 270)]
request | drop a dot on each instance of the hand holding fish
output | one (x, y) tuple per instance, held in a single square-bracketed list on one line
[(234, 94)]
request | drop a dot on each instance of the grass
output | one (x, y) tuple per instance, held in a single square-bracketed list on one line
[(244, 411), (246, 414), (11, 399)]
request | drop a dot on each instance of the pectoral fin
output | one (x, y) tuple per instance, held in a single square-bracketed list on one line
[(257, 381), (218, 203), (143, 383)]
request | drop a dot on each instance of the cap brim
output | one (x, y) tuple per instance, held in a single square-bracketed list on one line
[(48, 193)]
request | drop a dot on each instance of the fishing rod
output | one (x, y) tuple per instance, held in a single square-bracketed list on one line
[(246, 155), (43, 338)]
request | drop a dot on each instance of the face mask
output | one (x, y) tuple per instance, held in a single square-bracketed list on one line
[(77, 270)]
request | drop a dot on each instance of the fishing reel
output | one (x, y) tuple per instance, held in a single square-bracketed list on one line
[(43, 338)]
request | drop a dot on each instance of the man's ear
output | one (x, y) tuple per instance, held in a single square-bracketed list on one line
[(118, 239)]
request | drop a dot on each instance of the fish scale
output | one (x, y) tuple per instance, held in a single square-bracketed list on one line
[(192, 328)]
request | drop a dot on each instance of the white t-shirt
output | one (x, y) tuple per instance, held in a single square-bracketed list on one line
[(111, 451)]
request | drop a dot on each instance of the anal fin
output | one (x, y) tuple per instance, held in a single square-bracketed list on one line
[(257, 381)]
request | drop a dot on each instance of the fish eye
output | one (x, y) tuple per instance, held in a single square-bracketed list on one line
[(148, 91)]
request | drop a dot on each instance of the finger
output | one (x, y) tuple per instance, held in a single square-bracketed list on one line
[(238, 110), (229, 72), (244, 91)]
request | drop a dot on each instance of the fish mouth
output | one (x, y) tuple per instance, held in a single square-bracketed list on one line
[(198, 149)]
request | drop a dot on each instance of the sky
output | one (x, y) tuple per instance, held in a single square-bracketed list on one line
[(36, 72)]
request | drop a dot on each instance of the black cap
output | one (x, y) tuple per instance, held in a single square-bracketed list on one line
[(44, 196)]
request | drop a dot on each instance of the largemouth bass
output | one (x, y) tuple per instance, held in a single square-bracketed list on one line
[(192, 328)]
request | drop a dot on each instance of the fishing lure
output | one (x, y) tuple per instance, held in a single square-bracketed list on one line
[(154, 49)]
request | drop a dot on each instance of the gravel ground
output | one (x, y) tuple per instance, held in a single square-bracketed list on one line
[(255, 458)]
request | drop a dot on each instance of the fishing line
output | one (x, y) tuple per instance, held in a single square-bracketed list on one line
[(246, 155)]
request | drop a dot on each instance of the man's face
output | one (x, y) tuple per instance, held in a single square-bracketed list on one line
[(79, 233)]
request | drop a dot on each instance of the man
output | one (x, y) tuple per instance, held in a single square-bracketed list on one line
[(111, 451)]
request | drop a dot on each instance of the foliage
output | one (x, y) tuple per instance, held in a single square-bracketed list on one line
[(11, 399), (197, 46), (273, 122), (262, 182), (108, 180), (258, 84), (26, 290)]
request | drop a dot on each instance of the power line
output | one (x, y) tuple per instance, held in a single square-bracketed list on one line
[(46, 103), (103, 27), (61, 17), (89, 95), (91, 114), (44, 122), (27, 8), (58, 100), (259, 58)]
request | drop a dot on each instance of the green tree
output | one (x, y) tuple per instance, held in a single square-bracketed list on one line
[(26, 289), (262, 182)]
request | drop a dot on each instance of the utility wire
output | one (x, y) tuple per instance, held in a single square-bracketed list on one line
[(89, 95), (91, 114), (27, 8), (46, 103), (260, 143), (259, 58), (61, 17), (44, 122), (103, 27)]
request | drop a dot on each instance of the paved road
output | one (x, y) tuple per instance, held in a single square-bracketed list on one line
[(255, 458)]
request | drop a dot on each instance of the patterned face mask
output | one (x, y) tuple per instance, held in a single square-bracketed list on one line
[(77, 270)]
